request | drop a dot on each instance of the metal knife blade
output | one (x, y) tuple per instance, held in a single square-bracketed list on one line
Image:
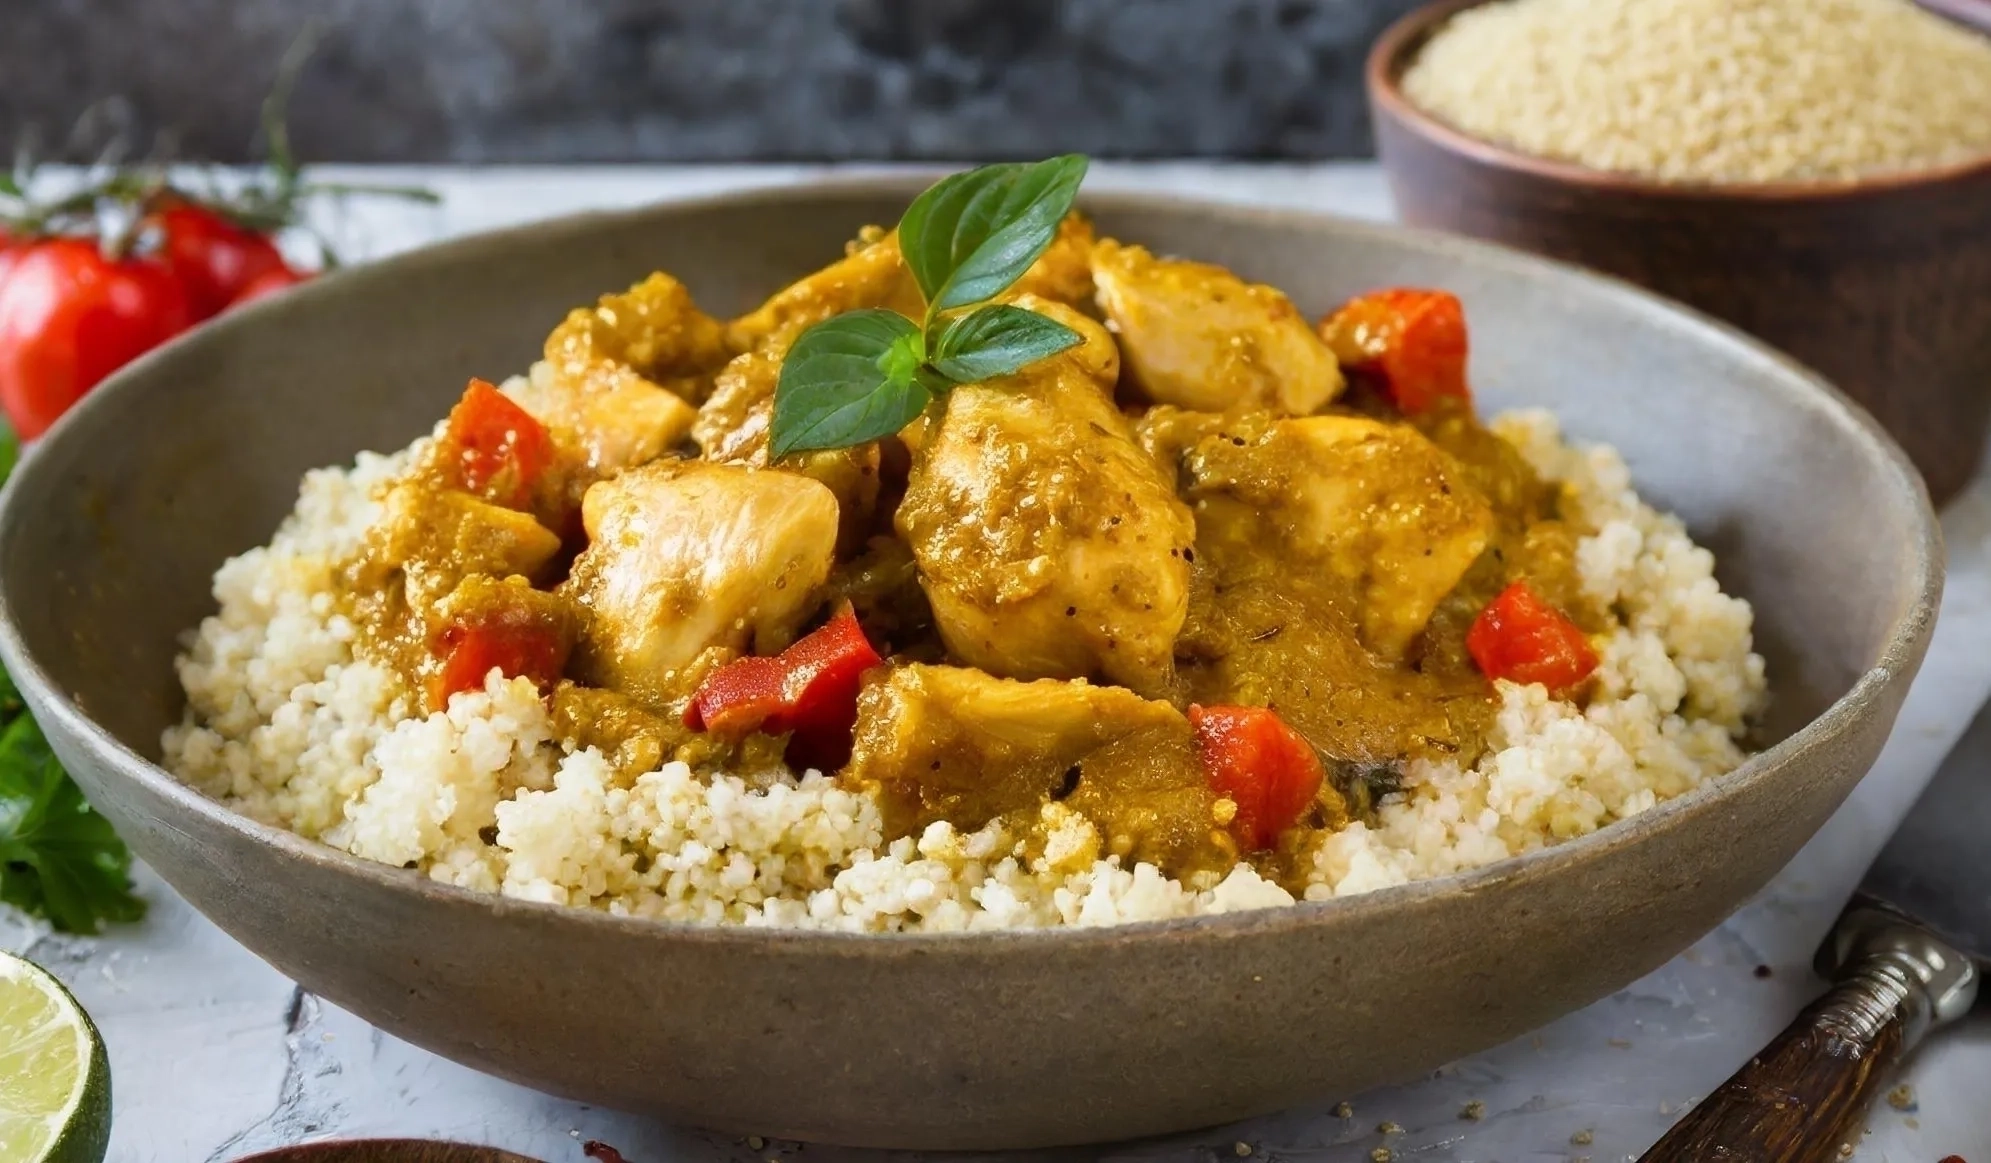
[(1936, 870)]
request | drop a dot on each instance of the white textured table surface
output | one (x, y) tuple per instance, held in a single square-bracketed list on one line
[(216, 1055)]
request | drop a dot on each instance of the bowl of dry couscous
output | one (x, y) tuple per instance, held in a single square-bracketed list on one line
[(1817, 172)]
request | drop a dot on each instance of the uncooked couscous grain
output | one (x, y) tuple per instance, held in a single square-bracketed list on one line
[(1714, 91)]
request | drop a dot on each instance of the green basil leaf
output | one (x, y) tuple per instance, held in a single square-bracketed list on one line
[(849, 379), (996, 341), (9, 186), (971, 235)]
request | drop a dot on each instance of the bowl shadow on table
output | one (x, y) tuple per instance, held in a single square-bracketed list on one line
[(112, 530), (1883, 284)]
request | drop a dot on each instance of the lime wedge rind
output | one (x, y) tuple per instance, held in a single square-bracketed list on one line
[(54, 1076)]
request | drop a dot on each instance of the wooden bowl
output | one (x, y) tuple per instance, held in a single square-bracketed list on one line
[(111, 531), (1882, 284)]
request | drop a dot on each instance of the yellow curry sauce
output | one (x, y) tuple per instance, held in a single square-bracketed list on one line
[(1056, 564)]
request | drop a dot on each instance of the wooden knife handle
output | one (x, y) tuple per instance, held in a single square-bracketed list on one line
[(1802, 1097)]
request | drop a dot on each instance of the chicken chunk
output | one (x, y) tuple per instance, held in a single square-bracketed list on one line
[(874, 274), (871, 274), (1062, 274), (619, 380), (1377, 507), (687, 556), (1050, 545), (732, 428), (436, 537), (945, 742), (1199, 337)]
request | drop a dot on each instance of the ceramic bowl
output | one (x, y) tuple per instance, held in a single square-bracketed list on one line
[(111, 530), (1882, 284)]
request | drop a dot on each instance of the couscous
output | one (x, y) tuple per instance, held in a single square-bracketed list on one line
[(1714, 91)]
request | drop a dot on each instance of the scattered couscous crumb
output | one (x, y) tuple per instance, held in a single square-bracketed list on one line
[(1381, 1155), (1473, 1111), (1714, 91), (288, 726), (755, 1142), (1902, 1098), (1344, 1110), (1241, 1149), (1845, 1150), (1582, 1138), (1388, 1129)]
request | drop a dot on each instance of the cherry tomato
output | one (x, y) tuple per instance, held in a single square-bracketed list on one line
[(1520, 637), (69, 316), (214, 257), (9, 250), (269, 283), (1252, 758)]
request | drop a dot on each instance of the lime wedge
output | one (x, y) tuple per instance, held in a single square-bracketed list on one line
[(55, 1082)]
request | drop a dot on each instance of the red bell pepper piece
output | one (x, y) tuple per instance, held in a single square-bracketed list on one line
[(1252, 758), (500, 450), (807, 692), (1413, 342), (509, 640), (1520, 637)]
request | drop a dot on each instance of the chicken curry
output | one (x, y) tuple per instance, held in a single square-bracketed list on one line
[(1211, 576)]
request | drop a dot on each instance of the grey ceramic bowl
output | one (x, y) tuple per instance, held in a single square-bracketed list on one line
[(110, 531)]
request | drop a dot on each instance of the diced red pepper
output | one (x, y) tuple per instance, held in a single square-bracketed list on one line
[(1520, 637), (807, 692), (1256, 761), (1412, 341), (515, 644), (500, 449)]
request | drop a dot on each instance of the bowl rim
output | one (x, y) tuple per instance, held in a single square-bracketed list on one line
[(1393, 51), (1905, 639)]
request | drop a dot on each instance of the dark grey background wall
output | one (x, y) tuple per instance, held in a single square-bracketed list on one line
[(709, 80)]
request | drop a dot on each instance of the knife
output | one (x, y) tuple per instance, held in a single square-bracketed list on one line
[(1904, 959)]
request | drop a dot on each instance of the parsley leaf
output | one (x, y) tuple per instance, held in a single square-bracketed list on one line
[(58, 857)]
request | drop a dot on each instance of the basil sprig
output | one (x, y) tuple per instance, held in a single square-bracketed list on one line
[(863, 375)]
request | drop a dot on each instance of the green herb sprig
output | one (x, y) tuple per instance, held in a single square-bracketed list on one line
[(59, 859), (863, 375)]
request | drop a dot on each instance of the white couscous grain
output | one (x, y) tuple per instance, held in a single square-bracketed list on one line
[(285, 724), (1714, 91)]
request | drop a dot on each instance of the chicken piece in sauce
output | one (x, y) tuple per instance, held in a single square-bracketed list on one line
[(686, 556), (1049, 544), (1197, 336), (951, 743), (1375, 507), (620, 380), (731, 428)]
